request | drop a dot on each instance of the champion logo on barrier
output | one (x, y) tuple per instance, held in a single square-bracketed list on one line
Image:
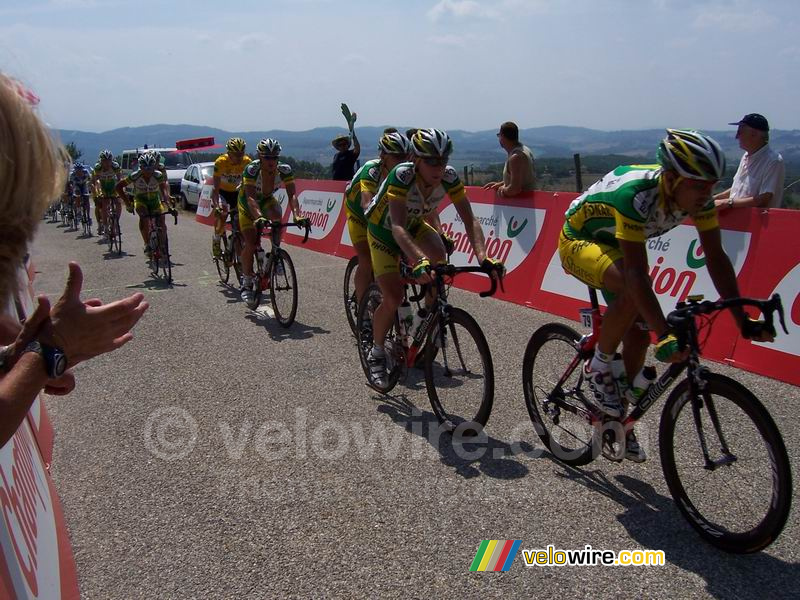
[(513, 230), (794, 314), (22, 502), (694, 256), (331, 205)]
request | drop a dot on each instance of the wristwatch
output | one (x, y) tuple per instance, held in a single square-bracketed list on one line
[(55, 361), (730, 202)]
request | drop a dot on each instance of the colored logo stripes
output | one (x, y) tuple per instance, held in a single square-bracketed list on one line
[(495, 555)]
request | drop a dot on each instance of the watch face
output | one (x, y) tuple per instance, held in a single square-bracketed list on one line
[(59, 363)]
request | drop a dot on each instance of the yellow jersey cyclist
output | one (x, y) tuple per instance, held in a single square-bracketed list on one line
[(224, 197), (394, 148), (602, 243), (105, 176), (403, 219), (260, 180), (150, 195)]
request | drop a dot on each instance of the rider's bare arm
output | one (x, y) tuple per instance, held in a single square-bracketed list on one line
[(291, 192), (473, 229), (252, 203), (721, 270), (215, 191), (399, 213)]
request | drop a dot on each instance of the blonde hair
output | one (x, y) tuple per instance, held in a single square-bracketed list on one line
[(32, 173)]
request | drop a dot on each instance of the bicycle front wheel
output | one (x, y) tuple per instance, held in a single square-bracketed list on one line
[(283, 288), (221, 262), (167, 260), (739, 501), (459, 373), (350, 299), (559, 415)]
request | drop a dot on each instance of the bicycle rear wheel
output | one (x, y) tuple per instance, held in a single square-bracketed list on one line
[(283, 288), (350, 299), (559, 414), (741, 501), (459, 373), (366, 311)]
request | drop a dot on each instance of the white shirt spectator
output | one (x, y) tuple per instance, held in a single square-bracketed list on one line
[(759, 173)]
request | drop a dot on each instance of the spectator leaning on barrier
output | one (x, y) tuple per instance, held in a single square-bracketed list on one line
[(344, 162), (37, 356), (759, 178), (519, 174)]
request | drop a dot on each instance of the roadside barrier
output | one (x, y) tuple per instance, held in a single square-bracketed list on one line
[(523, 233)]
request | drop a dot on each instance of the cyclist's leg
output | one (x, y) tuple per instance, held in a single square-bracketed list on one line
[(249, 235), (272, 211), (385, 263), (162, 234), (144, 223), (99, 214), (600, 265), (357, 228)]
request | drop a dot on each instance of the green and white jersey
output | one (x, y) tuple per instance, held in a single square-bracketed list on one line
[(401, 186), (366, 179), (628, 204), (107, 178), (145, 190), (252, 176)]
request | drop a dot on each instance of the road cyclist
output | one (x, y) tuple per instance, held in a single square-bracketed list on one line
[(261, 179), (602, 243), (105, 176), (80, 182), (228, 170), (393, 148), (402, 218), (150, 196)]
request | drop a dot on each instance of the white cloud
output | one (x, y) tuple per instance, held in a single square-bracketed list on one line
[(733, 18), (462, 9)]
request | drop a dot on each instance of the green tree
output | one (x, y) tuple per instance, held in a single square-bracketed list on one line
[(74, 152)]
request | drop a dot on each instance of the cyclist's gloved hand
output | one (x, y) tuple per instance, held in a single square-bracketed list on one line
[(449, 243), (757, 330), (491, 264), (422, 266), (667, 348)]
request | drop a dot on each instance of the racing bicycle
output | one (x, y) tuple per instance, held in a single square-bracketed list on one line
[(159, 259), (231, 246), (274, 271), (113, 231), (459, 373), (722, 455)]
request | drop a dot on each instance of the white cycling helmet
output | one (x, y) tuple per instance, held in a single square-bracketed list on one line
[(692, 155), (269, 147)]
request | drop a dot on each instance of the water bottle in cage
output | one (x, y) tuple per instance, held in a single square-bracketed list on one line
[(405, 316)]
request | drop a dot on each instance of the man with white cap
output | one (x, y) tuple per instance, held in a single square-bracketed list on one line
[(759, 178)]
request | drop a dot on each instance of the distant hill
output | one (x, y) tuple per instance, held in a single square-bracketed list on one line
[(475, 147)]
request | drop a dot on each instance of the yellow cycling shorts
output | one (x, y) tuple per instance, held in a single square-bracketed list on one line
[(386, 260), (356, 226), (145, 206), (270, 209), (587, 259)]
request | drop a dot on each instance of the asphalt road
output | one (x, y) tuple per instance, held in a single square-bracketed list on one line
[(219, 455)]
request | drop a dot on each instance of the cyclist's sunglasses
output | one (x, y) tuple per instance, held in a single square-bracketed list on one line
[(268, 157), (436, 162)]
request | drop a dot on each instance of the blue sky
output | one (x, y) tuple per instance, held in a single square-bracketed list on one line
[(465, 64)]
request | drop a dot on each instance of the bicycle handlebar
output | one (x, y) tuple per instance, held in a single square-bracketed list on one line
[(679, 318), (448, 270), (262, 222)]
